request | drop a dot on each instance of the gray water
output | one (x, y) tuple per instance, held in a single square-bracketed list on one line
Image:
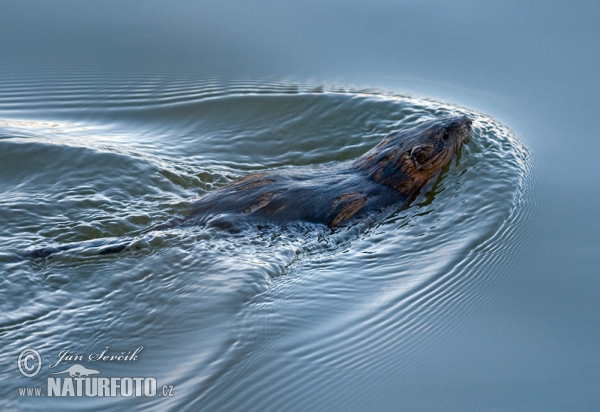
[(480, 295)]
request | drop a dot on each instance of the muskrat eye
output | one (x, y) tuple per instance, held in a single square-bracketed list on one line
[(445, 136)]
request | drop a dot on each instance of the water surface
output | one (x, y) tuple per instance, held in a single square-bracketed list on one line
[(482, 296), (232, 320)]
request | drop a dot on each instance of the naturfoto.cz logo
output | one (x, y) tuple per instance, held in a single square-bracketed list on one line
[(78, 380)]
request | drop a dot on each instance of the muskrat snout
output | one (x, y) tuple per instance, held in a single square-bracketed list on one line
[(461, 127), (465, 124)]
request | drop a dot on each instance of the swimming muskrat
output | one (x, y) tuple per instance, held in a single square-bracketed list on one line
[(389, 175)]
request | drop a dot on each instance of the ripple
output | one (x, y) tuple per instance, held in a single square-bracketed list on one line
[(270, 313)]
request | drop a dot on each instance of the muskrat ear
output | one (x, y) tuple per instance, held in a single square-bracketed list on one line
[(417, 155)]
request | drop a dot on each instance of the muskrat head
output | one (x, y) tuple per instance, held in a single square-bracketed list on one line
[(433, 148), (407, 160)]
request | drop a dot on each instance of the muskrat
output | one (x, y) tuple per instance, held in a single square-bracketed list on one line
[(387, 176)]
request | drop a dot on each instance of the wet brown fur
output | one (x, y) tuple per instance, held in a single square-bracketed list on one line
[(262, 200), (348, 210), (391, 172)]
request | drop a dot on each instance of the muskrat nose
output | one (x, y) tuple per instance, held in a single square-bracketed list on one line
[(464, 121), (459, 122), (464, 124)]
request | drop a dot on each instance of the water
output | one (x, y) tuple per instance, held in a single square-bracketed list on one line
[(300, 293), (479, 296)]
